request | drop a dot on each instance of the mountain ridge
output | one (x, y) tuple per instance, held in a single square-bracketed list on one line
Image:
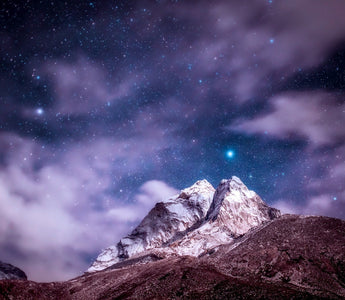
[(197, 219)]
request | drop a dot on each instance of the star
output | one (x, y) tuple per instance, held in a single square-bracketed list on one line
[(230, 154), (39, 111)]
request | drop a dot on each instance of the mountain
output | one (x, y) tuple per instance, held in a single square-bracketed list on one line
[(8, 271), (192, 222), (162, 224), (211, 244)]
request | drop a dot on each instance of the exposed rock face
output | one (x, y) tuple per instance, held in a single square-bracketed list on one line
[(192, 222), (291, 257), (162, 223), (8, 271)]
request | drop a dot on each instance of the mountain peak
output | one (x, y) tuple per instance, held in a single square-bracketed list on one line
[(197, 187), (238, 208), (196, 193), (229, 190), (192, 222), (234, 180)]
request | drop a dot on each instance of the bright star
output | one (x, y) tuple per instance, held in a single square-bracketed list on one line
[(230, 153), (39, 111)]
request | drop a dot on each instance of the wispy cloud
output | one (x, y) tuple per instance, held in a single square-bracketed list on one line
[(316, 117), (61, 212), (82, 86)]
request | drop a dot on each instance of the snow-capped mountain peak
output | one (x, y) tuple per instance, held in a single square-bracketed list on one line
[(232, 190), (237, 208), (234, 210), (192, 222)]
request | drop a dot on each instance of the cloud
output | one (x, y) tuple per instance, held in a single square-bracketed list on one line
[(316, 117), (56, 213), (46, 213), (155, 191), (242, 51), (320, 205), (150, 193), (82, 86)]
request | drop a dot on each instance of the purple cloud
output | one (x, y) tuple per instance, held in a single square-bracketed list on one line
[(251, 47), (316, 117), (50, 211), (150, 193), (82, 86)]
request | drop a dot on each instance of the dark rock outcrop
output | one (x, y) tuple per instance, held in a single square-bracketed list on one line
[(8, 271)]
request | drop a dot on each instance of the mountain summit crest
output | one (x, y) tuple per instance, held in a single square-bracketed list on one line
[(196, 220)]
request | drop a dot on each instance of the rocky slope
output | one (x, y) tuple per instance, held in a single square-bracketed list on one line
[(8, 271), (291, 257), (192, 222)]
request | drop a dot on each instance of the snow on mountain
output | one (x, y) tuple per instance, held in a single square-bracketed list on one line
[(162, 223), (233, 212), (195, 221), (237, 208)]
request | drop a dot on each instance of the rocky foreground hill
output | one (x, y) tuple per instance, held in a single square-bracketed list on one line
[(211, 244)]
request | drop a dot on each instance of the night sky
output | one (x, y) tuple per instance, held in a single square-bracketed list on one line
[(110, 106)]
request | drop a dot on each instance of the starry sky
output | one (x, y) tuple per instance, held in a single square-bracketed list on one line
[(110, 106)]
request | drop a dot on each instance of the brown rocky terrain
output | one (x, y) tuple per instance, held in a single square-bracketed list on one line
[(292, 257)]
